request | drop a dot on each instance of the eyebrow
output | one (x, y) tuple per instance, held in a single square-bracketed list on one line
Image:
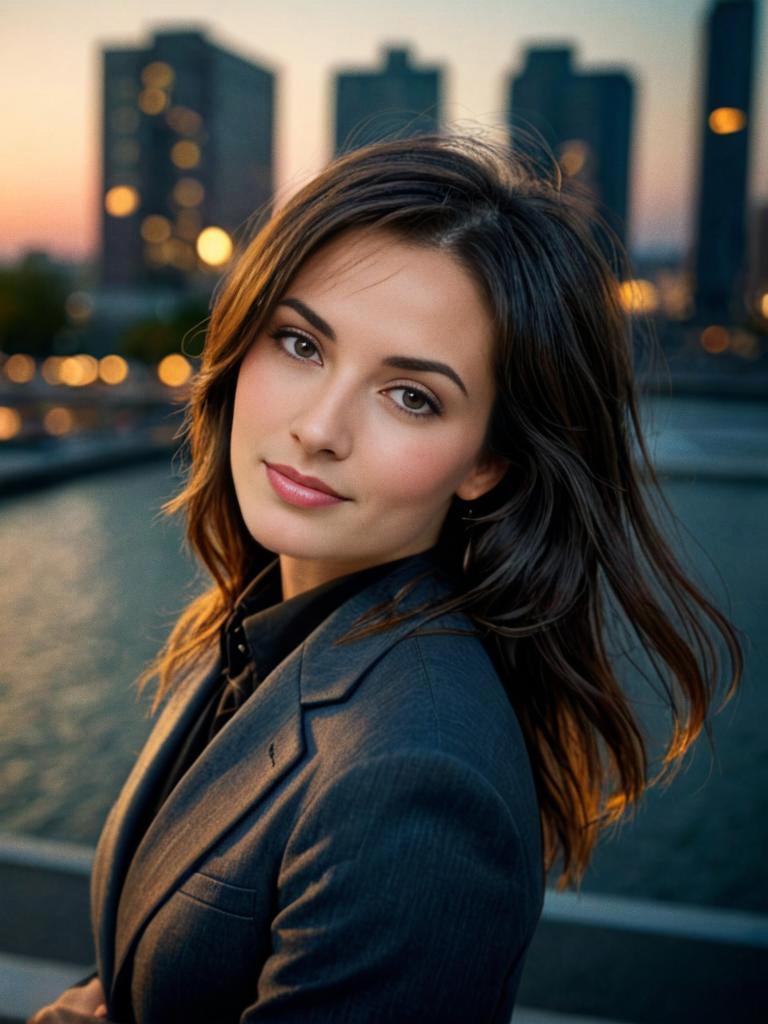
[(399, 362)]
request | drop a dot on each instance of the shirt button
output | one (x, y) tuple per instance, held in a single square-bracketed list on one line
[(241, 648)]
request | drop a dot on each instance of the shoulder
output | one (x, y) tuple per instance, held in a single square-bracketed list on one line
[(435, 700), (444, 684), (405, 874)]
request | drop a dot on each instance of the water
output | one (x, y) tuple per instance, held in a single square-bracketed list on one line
[(94, 580)]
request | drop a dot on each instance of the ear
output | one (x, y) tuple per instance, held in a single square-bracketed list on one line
[(482, 478)]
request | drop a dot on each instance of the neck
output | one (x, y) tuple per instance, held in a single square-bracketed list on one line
[(301, 574)]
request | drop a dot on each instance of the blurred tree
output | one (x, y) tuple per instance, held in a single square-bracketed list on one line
[(32, 296), (153, 337)]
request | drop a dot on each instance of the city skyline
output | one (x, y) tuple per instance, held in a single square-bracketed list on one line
[(50, 200)]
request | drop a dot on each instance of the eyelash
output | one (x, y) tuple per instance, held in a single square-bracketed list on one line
[(284, 332)]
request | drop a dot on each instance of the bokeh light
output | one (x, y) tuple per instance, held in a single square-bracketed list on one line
[(121, 200), (183, 120), (50, 371), (19, 368), (79, 371), (573, 156), (745, 344), (10, 422), (185, 154), (58, 420), (214, 246), (113, 369), (727, 120), (158, 75), (715, 339), (174, 370), (639, 296), (188, 192), (155, 228), (152, 101)]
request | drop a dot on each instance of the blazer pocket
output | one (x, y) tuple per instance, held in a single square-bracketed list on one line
[(229, 899)]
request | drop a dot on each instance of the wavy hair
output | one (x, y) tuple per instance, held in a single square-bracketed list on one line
[(566, 545)]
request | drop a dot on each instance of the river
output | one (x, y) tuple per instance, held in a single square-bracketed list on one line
[(94, 577)]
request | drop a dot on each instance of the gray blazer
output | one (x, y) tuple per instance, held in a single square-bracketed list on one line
[(359, 843)]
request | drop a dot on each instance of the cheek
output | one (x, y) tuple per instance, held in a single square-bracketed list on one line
[(420, 465), (258, 399)]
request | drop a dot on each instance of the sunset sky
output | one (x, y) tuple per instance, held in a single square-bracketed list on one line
[(50, 74)]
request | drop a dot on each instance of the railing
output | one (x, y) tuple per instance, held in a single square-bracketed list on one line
[(600, 956)]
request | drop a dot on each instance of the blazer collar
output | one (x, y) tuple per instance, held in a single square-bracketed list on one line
[(327, 676), (240, 766)]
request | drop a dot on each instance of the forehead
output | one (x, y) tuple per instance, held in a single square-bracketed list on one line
[(404, 292)]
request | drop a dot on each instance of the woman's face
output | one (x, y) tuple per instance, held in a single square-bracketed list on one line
[(396, 442)]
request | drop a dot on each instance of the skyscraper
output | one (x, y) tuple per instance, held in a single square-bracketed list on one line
[(720, 249), (187, 156), (584, 117), (400, 100)]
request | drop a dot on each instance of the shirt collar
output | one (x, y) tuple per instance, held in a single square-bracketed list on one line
[(272, 626)]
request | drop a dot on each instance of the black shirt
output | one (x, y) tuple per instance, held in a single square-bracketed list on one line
[(261, 632)]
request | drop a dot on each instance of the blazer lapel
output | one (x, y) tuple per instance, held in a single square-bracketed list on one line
[(117, 839), (263, 741), (257, 747)]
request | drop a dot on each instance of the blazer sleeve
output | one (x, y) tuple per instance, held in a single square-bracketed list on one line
[(89, 977), (404, 894)]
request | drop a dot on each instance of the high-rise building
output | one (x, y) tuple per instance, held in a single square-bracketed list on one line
[(399, 101), (720, 249), (584, 117), (187, 156)]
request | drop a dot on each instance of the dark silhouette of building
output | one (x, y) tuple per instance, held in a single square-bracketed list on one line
[(584, 117), (720, 248), (187, 146), (399, 101), (757, 268)]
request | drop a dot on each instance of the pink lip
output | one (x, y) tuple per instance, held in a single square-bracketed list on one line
[(297, 489)]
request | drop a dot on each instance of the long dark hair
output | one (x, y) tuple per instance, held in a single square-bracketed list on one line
[(567, 543)]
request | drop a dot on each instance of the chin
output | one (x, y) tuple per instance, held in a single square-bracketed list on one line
[(298, 539)]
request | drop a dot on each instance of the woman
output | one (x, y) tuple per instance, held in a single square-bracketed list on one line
[(416, 479)]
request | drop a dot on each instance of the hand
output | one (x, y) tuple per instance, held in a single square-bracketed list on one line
[(80, 1005)]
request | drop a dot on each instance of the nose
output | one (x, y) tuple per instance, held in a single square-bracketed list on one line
[(324, 423)]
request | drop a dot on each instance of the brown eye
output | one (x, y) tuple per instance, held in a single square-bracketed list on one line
[(409, 396), (307, 345), (414, 399), (304, 347)]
